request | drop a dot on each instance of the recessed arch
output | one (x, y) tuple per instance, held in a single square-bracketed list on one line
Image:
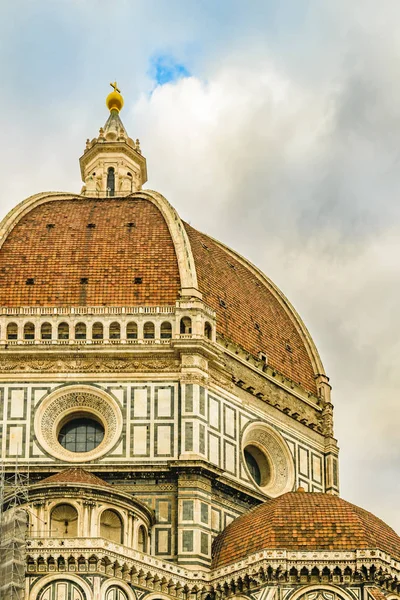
[(149, 330), (115, 331), (29, 331), (117, 584), (208, 330), (166, 330), (64, 521), (63, 331), (97, 331), (111, 526), (132, 330), (40, 587), (80, 331), (327, 592), (12, 331), (185, 325), (142, 539), (46, 331)]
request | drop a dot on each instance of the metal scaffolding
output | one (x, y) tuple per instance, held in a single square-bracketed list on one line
[(13, 532)]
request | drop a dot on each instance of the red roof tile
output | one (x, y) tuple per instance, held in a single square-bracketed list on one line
[(75, 475), (62, 242), (81, 251), (304, 521), (252, 316)]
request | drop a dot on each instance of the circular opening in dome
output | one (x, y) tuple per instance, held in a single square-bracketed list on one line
[(257, 464), (81, 434)]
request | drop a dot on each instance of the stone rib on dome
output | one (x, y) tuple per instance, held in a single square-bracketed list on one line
[(304, 521), (82, 251), (251, 316)]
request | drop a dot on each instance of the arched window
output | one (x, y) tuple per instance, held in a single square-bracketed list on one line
[(208, 330), (12, 331), (80, 331), (29, 331), (111, 182), (62, 589), (131, 331), (46, 331), (111, 526), (63, 331), (97, 331), (142, 539), (64, 521), (186, 325), (115, 331), (166, 331), (148, 331), (115, 593)]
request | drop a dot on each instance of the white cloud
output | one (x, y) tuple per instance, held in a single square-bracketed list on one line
[(284, 144)]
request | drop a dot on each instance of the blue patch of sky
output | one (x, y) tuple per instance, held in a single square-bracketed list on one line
[(164, 68)]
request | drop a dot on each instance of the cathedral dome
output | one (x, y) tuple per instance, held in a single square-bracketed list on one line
[(60, 250), (304, 521)]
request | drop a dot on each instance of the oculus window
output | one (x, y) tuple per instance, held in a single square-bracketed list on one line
[(81, 435)]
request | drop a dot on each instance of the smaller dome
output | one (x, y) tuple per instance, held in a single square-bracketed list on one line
[(303, 521), (75, 475)]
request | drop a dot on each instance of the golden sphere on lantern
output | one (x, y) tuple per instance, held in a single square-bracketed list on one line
[(114, 100)]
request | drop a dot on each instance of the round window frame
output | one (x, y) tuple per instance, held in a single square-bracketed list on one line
[(277, 455), (76, 416), (60, 407), (263, 463)]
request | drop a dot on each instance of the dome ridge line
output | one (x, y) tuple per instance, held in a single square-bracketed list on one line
[(180, 239), (285, 303)]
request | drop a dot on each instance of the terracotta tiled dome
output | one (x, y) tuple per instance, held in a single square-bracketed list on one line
[(80, 251), (304, 521), (75, 475)]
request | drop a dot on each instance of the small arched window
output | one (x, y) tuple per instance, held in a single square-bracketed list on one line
[(97, 331), (46, 331), (148, 331), (115, 593), (80, 331), (63, 331), (115, 331), (186, 325), (64, 521), (29, 331), (111, 181), (111, 526), (207, 330), (142, 539), (131, 331), (166, 331), (12, 331)]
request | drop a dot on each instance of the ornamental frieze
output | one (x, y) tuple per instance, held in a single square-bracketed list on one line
[(86, 365), (249, 382)]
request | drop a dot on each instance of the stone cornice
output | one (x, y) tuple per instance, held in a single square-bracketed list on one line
[(268, 566)]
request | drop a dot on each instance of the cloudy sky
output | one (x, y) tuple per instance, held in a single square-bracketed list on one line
[(273, 125)]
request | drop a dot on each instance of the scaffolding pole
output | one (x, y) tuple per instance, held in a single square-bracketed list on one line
[(13, 532)]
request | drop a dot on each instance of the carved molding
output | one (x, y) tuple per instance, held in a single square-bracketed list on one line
[(67, 402), (29, 364), (280, 462)]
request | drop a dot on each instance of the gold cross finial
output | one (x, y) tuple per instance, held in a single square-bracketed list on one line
[(114, 85)]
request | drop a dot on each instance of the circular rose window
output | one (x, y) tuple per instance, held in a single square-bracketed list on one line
[(267, 459), (78, 423)]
